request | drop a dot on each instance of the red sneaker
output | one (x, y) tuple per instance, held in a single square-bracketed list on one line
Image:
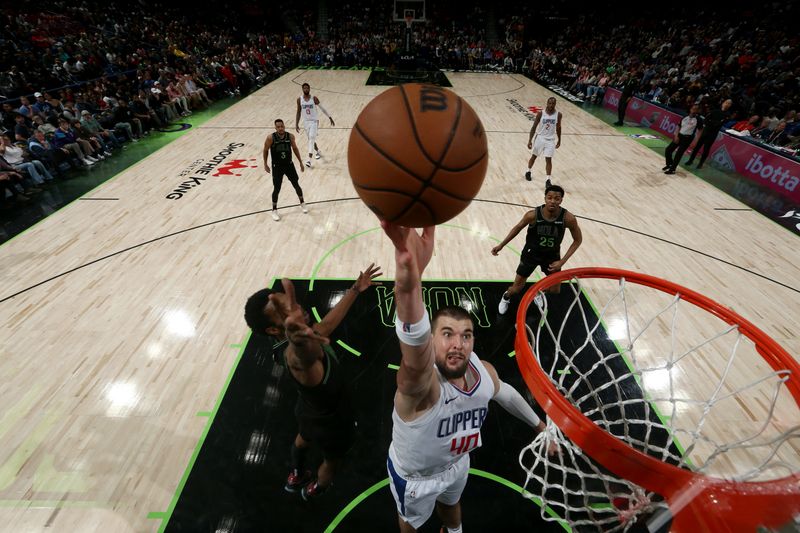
[(296, 480), (313, 490)]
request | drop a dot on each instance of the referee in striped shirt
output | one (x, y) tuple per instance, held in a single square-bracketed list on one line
[(690, 125)]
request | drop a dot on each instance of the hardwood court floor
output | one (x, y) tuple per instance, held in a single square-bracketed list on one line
[(121, 320)]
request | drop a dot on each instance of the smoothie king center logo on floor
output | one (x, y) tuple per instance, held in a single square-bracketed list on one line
[(529, 112), (219, 165)]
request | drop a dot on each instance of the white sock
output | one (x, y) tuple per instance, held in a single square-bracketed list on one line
[(455, 529)]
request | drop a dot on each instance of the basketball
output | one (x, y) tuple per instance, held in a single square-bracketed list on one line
[(417, 155)]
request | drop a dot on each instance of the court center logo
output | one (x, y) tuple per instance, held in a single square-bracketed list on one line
[(235, 164), (200, 169)]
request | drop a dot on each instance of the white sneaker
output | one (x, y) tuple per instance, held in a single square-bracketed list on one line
[(308, 163), (275, 216), (87, 162), (92, 159), (539, 300), (503, 307), (303, 207), (319, 155)]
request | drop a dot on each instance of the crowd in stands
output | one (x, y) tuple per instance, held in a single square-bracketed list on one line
[(704, 58), (79, 81)]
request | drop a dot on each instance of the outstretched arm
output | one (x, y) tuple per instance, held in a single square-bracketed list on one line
[(528, 218), (297, 117), (512, 401), (304, 342), (337, 314), (412, 254)]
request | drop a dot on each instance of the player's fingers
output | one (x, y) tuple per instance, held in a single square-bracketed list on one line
[(281, 305), (398, 234), (288, 289)]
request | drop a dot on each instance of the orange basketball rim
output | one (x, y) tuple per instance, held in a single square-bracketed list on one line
[(697, 502)]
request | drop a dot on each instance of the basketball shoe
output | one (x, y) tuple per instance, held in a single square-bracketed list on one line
[(528, 175), (313, 490), (319, 155), (296, 480), (275, 216), (503, 307)]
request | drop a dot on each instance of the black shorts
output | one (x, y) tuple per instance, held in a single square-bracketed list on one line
[(528, 264), (279, 171), (334, 434)]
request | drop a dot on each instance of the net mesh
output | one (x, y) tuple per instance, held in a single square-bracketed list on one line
[(666, 377)]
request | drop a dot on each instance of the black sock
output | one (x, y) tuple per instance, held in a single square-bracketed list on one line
[(298, 456)]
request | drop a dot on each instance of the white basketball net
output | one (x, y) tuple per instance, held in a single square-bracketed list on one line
[(666, 377)]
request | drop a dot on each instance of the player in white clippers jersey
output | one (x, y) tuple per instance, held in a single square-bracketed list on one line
[(547, 128), (443, 392), (307, 107)]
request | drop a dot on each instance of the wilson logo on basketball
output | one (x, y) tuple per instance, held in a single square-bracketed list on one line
[(236, 164)]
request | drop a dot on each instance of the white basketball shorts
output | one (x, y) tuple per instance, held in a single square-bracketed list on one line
[(311, 128), (416, 496), (545, 147)]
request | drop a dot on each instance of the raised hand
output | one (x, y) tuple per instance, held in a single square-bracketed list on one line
[(295, 320), (366, 278), (412, 250)]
